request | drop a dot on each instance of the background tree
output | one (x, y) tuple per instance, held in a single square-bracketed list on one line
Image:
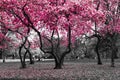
[(111, 9)]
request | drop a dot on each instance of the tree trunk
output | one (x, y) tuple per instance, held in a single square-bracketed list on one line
[(13, 56), (58, 64), (98, 56), (0, 54), (97, 52), (112, 60), (62, 61), (30, 57), (4, 59), (23, 62), (114, 52), (23, 65)]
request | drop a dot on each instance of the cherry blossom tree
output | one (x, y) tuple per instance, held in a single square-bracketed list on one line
[(57, 17), (53, 20), (110, 29), (95, 19), (11, 25), (5, 41), (14, 19)]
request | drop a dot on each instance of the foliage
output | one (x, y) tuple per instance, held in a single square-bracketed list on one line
[(59, 22)]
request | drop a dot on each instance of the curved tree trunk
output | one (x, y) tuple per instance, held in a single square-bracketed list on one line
[(29, 53), (59, 61), (30, 57), (97, 51), (22, 59), (24, 63), (99, 62), (20, 56)]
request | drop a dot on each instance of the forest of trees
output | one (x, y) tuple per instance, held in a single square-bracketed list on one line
[(60, 27)]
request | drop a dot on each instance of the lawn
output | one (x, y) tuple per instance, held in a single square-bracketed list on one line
[(71, 71)]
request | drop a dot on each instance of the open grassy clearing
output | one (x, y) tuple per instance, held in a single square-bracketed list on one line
[(71, 71)]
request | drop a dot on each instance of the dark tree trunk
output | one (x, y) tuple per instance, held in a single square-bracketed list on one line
[(13, 56), (114, 52), (29, 53), (59, 61), (97, 51), (62, 62), (112, 60), (58, 64), (0, 54), (114, 48), (3, 60), (98, 56), (20, 56), (23, 65), (30, 57), (23, 62)]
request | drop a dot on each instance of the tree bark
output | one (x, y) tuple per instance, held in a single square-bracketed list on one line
[(97, 51), (114, 52), (20, 56), (58, 64), (98, 57), (24, 63), (29, 53), (62, 61), (1, 54), (4, 59), (112, 60), (114, 48), (30, 57)]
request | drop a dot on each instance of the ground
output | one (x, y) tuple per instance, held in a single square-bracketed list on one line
[(72, 70)]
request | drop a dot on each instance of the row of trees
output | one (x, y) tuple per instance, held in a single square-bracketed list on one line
[(64, 20)]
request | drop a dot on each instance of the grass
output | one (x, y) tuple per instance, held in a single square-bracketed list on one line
[(72, 70)]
